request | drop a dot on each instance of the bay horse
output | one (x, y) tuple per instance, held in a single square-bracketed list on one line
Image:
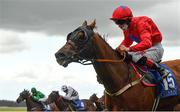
[(32, 105), (65, 105), (98, 101), (83, 44)]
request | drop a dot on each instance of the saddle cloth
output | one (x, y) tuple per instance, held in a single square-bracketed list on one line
[(78, 104), (165, 88)]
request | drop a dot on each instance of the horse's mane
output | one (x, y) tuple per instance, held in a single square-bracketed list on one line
[(105, 41), (27, 92)]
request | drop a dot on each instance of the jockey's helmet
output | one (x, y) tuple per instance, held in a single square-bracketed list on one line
[(64, 88), (122, 13), (33, 90)]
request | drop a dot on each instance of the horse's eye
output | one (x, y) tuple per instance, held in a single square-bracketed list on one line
[(68, 36)]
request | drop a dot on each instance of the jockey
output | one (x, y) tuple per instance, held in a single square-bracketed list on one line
[(148, 50), (38, 97), (71, 94)]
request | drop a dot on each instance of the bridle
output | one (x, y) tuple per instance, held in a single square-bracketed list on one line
[(80, 47)]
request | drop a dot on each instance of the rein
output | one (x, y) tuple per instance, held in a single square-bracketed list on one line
[(84, 62), (112, 61), (122, 90)]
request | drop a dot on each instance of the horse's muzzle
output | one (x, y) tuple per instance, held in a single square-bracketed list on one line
[(17, 101), (62, 59)]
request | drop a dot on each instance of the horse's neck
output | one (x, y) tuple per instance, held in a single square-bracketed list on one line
[(112, 75), (31, 104), (96, 98), (61, 104)]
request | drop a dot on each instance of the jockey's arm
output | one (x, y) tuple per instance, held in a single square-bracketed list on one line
[(69, 94), (35, 98), (75, 97), (145, 37), (144, 44), (40, 94)]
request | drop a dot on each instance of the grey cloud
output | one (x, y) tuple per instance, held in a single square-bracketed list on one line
[(63, 16), (11, 44), (26, 74), (168, 21)]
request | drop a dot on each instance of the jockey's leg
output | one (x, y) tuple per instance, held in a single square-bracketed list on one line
[(42, 101), (153, 65), (43, 104)]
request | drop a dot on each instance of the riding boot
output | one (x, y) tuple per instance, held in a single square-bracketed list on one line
[(163, 72), (44, 105), (153, 65)]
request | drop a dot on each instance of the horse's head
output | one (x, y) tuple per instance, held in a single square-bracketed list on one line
[(78, 45), (23, 95), (93, 97), (54, 95)]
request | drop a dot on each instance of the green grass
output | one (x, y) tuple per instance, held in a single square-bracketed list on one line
[(14, 109)]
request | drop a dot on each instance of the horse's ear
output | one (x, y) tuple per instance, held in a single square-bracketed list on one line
[(85, 23), (93, 24)]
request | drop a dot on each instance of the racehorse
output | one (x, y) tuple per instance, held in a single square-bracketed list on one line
[(65, 105), (98, 101), (32, 105), (83, 44)]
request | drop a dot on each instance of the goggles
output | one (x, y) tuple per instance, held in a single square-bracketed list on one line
[(120, 22)]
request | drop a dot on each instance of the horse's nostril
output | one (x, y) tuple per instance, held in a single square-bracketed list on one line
[(59, 55)]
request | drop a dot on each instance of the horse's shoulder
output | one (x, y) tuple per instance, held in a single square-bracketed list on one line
[(174, 62)]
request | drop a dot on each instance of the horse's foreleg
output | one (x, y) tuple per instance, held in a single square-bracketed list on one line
[(177, 107), (116, 108), (107, 103)]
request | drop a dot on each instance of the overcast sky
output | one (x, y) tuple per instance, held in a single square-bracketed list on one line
[(31, 31)]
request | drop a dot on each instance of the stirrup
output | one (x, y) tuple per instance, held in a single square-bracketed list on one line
[(165, 75), (163, 72)]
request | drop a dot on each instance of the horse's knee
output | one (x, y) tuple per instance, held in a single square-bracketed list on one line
[(177, 107)]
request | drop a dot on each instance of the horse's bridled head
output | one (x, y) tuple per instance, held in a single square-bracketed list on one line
[(22, 96), (77, 45)]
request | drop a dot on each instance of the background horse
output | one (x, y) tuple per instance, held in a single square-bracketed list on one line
[(32, 105), (98, 101), (83, 45), (65, 105)]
